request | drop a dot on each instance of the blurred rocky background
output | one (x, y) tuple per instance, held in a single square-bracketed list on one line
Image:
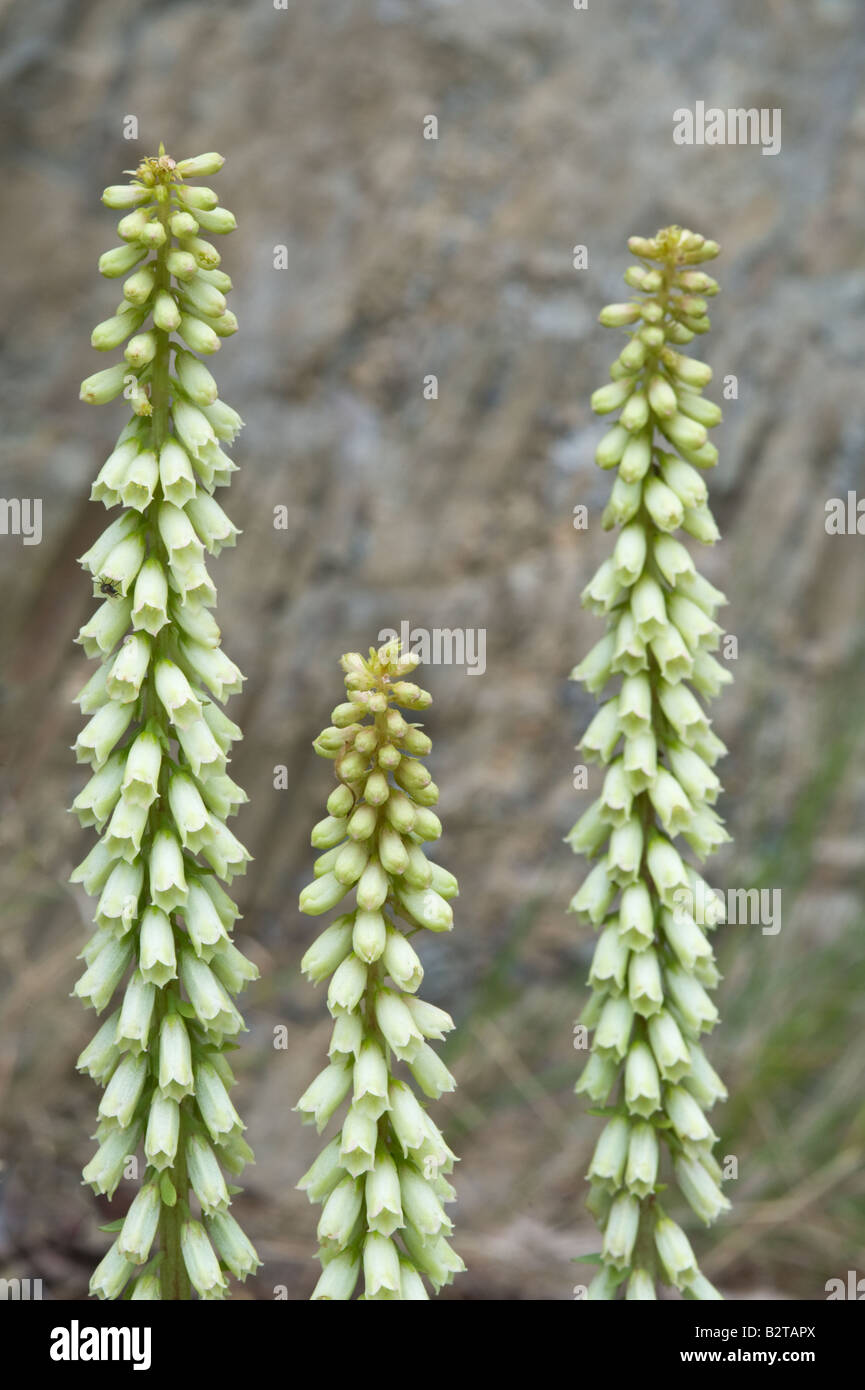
[(408, 257)]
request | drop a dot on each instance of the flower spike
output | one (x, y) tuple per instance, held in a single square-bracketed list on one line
[(158, 743), (653, 964), (382, 1181)]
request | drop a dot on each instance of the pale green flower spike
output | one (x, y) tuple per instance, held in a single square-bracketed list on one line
[(382, 1180), (158, 745), (653, 964)]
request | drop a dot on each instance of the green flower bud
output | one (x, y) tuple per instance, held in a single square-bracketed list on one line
[(138, 289), (125, 196), (609, 398), (112, 332), (635, 414), (321, 895), (629, 555), (205, 1175), (111, 1274), (641, 1286), (212, 1006), (662, 397), (139, 1227), (94, 870), (105, 385), (201, 748), (324, 1174), (610, 959), (196, 197), (166, 314), (326, 1093), (611, 448), (427, 908), (133, 1028), (123, 1091), (702, 1193), (201, 1263), (642, 1084), (147, 1288), (369, 935), (663, 505), (201, 167), (106, 1168), (645, 988), (675, 1252), (181, 264), (381, 1268), (118, 904), (613, 1030), (595, 895), (398, 1027), (603, 589), (119, 260), (328, 950), (673, 1057), (619, 315), (347, 985), (95, 803), (403, 964), (359, 1138), (157, 957), (217, 220), (351, 862), (641, 1171), (175, 1058), (703, 1082), (432, 1021), (195, 379), (196, 334), (608, 1161), (233, 1246), (346, 1036), (636, 458), (621, 1231), (101, 1054), (382, 1195), (338, 1278)]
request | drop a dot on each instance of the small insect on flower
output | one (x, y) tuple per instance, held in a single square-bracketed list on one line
[(109, 588)]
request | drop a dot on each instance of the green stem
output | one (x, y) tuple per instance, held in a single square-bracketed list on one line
[(160, 391), (174, 1278)]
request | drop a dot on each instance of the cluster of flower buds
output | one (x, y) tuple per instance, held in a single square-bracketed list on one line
[(382, 1179), (653, 965), (159, 743)]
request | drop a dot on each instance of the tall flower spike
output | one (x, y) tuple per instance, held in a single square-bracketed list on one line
[(653, 964), (382, 1179), (158, 744)]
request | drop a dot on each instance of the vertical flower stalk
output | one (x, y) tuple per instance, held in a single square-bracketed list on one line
[(158, 743), (653, 965), (382, 1179)]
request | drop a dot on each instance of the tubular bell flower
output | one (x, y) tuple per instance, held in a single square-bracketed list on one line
[(158, 746), (653, 964), (382, 1179)]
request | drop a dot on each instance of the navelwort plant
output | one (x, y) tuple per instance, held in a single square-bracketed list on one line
[(653, 964), (381, 1179), (158, 745)]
